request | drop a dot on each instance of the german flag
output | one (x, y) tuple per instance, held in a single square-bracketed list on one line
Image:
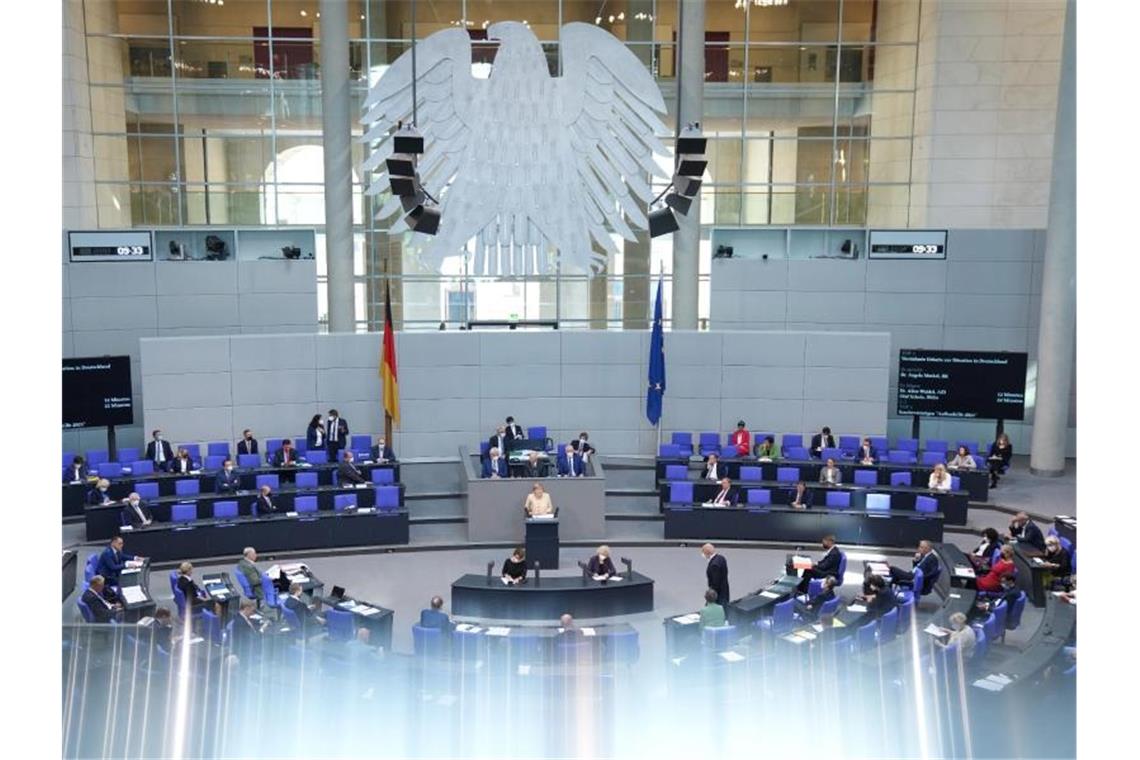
[(388, 362)]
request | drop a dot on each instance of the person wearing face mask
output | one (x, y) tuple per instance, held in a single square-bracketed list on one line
[(336, 435), (135, 514), (286, 456), (159, 451), (494, 466), (182, 463), (228, 480), (247, 444), (99, 494), (382, 452)]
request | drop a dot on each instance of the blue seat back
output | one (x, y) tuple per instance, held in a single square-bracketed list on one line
[(866, 477), (932, 458), (172, 578), (320, 456), (900, 456), (193, 449), (991, 627), (919, 584), (907, 444), (759, 496), (243, 584), (67, 457), (362, 442), (142, 467), (681, 492), (214, 461), (388, 497), (717, 638), (830, 607), (751, 473), (180, 602), (187, 487), (878, 502), (669, 450), (218, 448), (84, 610), (90, 568), (865, 636), (926, 504), (787, 474), (305, 504), (684, 440), (307, 480), (291, 619), (676, 472), (900, 479), (147, 490), (791, 440), (879, 442), (708, 442), (842, 567), (955, 483), (184, 511), (971, 447), (341, 626), (1000, 612), (344, 501), (426, 641), (815, 585), (838, 499), (211, 627), (383, 476), (269, 590), (795, 452), (268, 480), (110, 470), (728, 452), (888, 626), (934, 444), (849, 443), (783, 616), (272, 444), (982, 643), (1013, 618), (906, 612), (831, 453), (95, 457), (536, 433), (224, 509), (248, 460), (300, 444)]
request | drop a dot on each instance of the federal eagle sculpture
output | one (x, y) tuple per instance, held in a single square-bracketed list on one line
[(523, 162)]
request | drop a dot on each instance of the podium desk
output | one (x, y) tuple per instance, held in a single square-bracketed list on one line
[(542, 542), (548, 598)]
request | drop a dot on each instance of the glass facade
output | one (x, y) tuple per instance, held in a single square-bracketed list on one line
[(208, 112)]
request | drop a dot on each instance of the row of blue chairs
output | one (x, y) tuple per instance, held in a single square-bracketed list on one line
[(679, 472), (893, 456), (381, 476), (623, 645), (681, 496), (710, 443), (387, 498), (358, 444)]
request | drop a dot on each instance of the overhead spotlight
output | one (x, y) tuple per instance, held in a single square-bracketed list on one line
[(405, 181)]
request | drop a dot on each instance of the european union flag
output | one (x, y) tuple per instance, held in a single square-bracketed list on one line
[(655, 395)]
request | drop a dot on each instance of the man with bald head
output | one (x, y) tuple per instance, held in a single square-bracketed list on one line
[(1025, 531), (925, 561), (716, 572)]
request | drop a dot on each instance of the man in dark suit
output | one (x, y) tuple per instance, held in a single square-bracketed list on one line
[(879, 601), (349, 472), (102, 602), (265, 504), (924, 560), (382, 452), (306, 614), (76, 472), (728, 496), (182, 465), (435, 617), (820, 441), (867, 454), (571, 464), (494, 466), (1025, 531), (100, 493), (809, 610), (162, 629), (498, 439), (827, 565), (246, 632), (534, 467), (286, 456), (247, 444), (716, 573), (801, 497), (514, 431), (228, 480), (159, 451), (336, 435), (135, 513), (714, 470), (113, 560)]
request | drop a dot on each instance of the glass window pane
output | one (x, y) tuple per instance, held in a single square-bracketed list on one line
[(218, 59), (151, 159), (240, 105), (392, 19), (147, 58), (148, 108), (147, 204), (112, 159), (850, 204), (541, 15), (798, 21), (227, 204), (108, 62), (234, 18), (213, 156)]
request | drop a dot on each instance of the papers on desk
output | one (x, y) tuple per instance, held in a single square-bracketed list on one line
[(731, 656), (132, 594), (964, 571), (955, 595), (692, 617), (146, 621), (802, 563), (856, 608), (794, 638), (1038, 561), (294, 567), (543, 517), (505, 580), (362, 485), (365, 510), (127, 527), (298, 578), (498, 631), (366, 610), (290, 514), (468, 628), (993, 682), (769, 595), (880, 568), (589, 632), (195, 472), (347, 604), (935, 630)]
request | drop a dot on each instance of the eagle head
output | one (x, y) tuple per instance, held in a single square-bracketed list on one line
[(517, 45)]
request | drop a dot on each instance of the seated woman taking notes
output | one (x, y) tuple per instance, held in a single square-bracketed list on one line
[(514, 568), (600, 565), (538, 502)]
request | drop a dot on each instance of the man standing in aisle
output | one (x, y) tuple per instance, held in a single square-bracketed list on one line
[(336, 435), (716, 572)]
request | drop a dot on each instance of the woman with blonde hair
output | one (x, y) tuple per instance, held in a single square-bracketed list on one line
[(600, 565), (538, 502)]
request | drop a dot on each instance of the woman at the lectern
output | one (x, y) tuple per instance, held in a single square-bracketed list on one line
[(514, 569), (538, 502), (600, 565)]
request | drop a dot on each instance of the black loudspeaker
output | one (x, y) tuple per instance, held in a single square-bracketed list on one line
[(401, 165), (426, 219), (662, 222), (686, 186), (679, 202), (402, 185), (692, 165), (691, 144), (408, 143)]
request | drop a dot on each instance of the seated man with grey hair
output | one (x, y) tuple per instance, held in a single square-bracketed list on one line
[(247, 567)]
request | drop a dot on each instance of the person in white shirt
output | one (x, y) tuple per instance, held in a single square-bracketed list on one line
[(866, 453), (829, 474), (963, 460), (939, 479), (962, 635), (727, 496), (713, 468)]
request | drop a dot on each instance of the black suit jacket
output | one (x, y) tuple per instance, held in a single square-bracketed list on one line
[(1032, 535), (70, 474), (130, 517), (538, 471), (819, 600), (731, 498), (515, 432), (807, 500), (349, 474), (246, 636), (167, 452), (279, 457), (95, 497), (191, 591), (266, 506), (871, 452), (176, 465), (498, 442), (828, 564), (227, 483), (341, 435), (102, 612), (307, 617), (598, 566), (388, 454), (882, 603), (717, 575), (720, 470), (247, 447), (818, 443), (586, 449)]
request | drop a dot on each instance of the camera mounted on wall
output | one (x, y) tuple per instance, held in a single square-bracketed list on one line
[(216, 249), (291, 252)]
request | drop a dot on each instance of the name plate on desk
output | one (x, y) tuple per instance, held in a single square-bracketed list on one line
[(127, 527), (290, 514)]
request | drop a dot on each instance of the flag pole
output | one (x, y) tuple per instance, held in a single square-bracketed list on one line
[(387, 305), (659, 425)]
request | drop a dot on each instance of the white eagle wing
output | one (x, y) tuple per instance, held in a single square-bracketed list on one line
[(610, 104), (445, 91)]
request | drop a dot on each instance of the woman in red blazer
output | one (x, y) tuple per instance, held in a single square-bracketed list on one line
[(991, 581)]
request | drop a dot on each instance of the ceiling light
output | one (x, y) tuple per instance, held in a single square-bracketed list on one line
[(304, 13)]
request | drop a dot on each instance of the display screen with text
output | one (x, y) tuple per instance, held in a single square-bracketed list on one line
[(97, 392), (963, 384)]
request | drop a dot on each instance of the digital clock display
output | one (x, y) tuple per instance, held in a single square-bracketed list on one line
[(907, 244), (917, 248), (107, 245)]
